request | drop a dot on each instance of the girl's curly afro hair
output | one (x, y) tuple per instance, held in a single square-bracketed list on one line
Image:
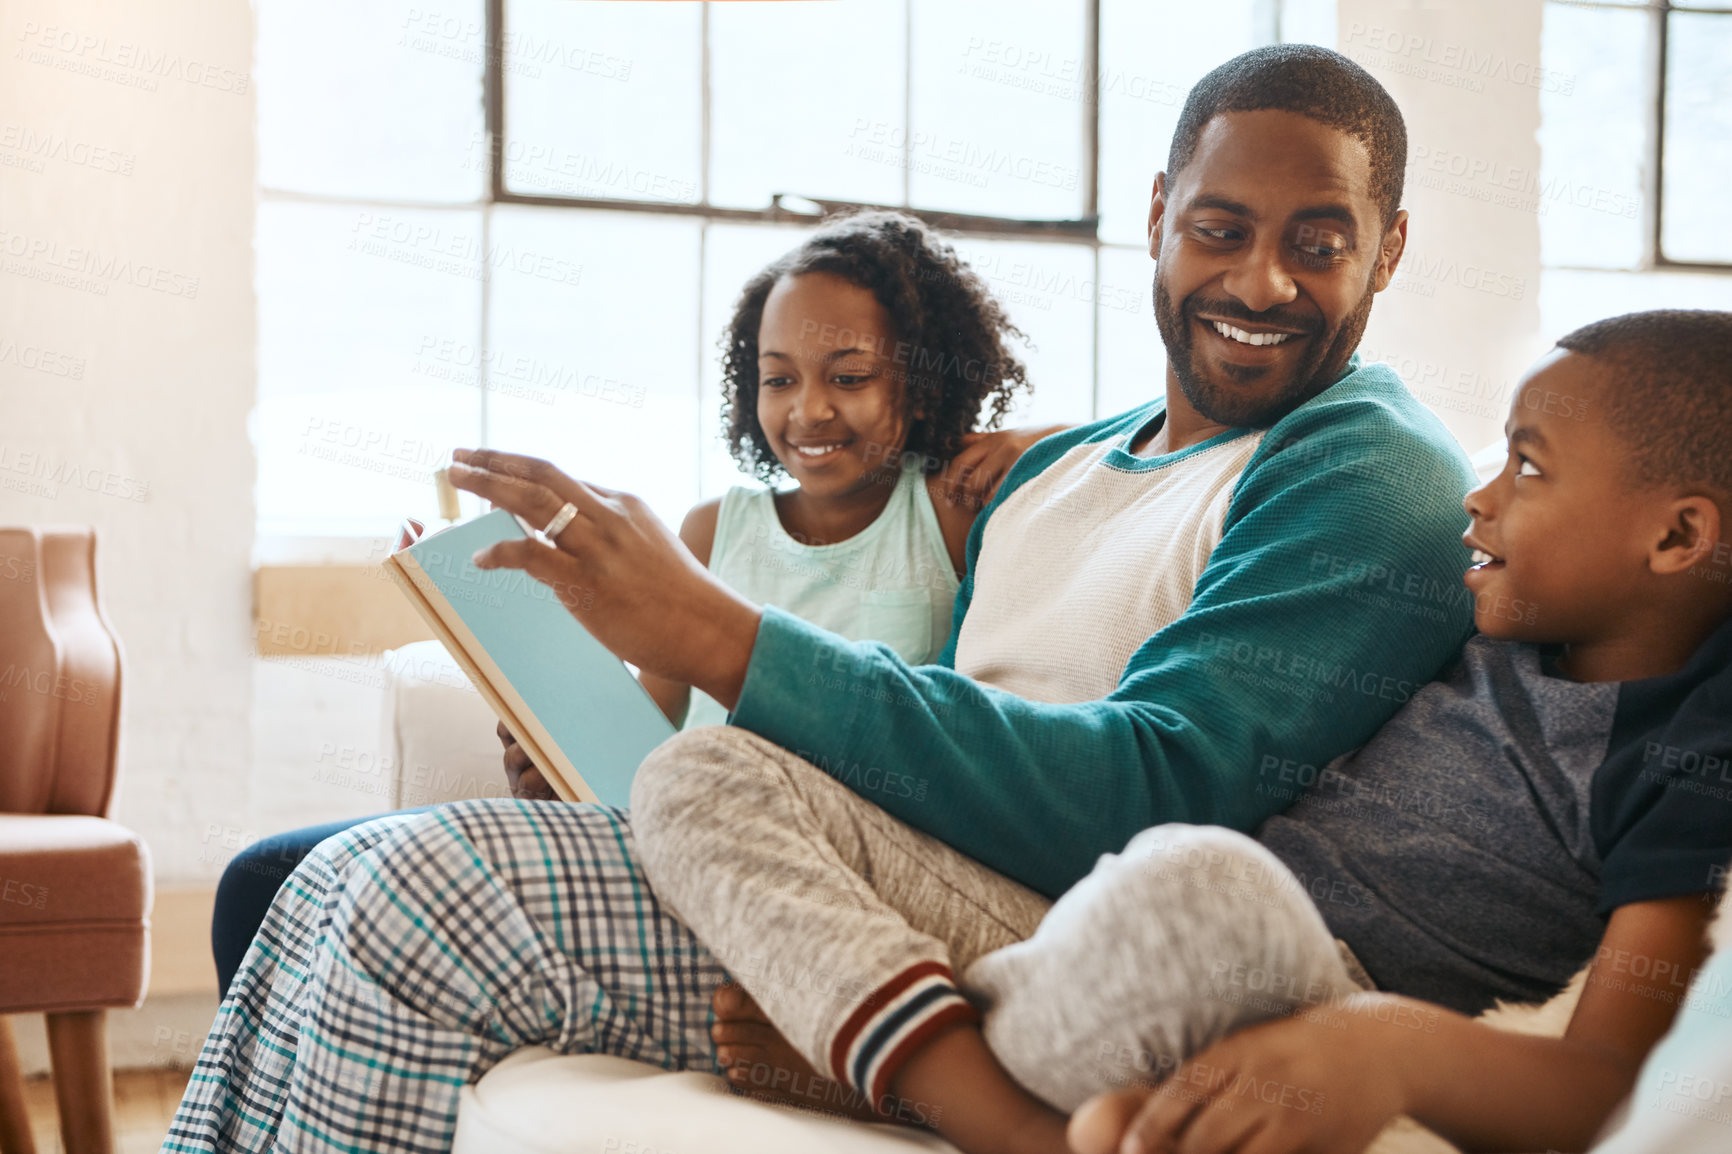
[(950, 334)]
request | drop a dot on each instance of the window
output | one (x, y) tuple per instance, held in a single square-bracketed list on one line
[(562, 294), (1633, 150), (1695, 122), (1636, 183)]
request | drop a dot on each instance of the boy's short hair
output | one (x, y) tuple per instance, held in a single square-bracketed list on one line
[(1311, 81), (1667, 392)]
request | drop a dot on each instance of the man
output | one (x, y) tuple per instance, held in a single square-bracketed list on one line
[(1170, 615)]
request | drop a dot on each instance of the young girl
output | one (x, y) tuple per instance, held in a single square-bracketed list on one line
[(856, 366)]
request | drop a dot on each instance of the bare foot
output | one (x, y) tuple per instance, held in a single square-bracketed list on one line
[(957, 1082), (759, 1062)]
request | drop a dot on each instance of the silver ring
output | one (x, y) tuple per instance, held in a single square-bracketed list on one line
[(566, 515)]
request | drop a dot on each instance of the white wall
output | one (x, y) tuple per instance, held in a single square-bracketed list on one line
[(127, 369), (1461, 321)]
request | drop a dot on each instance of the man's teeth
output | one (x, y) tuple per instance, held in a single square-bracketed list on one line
[(816, 450), (1481, 557), (1245, 338)]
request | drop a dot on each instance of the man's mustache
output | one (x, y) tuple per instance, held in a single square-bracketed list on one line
[(1232, 310)]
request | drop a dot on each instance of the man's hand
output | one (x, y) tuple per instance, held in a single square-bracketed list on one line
[(621, 572), (1322, 1081), (525, 780), (974, 474)]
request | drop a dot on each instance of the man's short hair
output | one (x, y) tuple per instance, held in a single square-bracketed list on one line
[(1668, 391), (1314, 82)]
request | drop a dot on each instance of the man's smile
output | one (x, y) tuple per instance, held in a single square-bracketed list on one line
[(1245, 337), (1246, 342)]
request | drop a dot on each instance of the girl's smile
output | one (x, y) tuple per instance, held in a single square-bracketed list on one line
[(830, 402)]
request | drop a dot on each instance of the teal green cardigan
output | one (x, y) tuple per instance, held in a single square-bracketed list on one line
[(1334, 592)]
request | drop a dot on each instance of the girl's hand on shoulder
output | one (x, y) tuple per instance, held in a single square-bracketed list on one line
[(974, 474)]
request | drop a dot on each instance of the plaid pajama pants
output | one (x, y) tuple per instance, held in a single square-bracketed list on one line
[(406, 956)]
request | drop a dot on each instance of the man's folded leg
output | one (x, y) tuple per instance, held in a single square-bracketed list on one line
[(407, 956), (846, 925)]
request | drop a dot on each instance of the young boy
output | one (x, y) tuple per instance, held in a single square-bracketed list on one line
[(1564, 789)]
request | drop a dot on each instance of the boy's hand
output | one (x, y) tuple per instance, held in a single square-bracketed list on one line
[(621, 572), (974, 474), (1372, 1057), (525, 780), (1324, 1081)]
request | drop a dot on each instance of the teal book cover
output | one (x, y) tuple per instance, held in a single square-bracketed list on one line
[(574, 707)]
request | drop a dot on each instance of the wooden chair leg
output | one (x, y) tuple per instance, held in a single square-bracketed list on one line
[(14, 1121), (78, 1046)]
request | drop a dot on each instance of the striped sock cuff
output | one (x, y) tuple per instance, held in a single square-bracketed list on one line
[(892, 1023)]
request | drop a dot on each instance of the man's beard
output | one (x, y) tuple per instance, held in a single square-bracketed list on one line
[(1244, 408)]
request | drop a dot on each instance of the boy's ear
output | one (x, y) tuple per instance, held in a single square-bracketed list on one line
[(1157, 210), (1390, 248), (1693, 528)]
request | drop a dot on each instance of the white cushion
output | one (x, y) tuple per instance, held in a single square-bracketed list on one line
[(439, 732), (539, 1102)]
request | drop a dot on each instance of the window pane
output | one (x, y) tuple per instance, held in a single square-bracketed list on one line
[(1133, 368), (733, 254), (1151, 54), (371, 98), (1698, 138), (602, 100), (591, 360), (357, 403), (998, 108), (789, 115), (1049, 292), (1589, 191), (1571, 298)]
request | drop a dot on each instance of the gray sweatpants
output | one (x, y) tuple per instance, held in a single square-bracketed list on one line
[(862, 937)]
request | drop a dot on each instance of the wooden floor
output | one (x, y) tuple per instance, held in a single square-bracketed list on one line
[(144, 1102)]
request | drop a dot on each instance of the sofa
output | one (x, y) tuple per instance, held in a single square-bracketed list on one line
[(440, 739)]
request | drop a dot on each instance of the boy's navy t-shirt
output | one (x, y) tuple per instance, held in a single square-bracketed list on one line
[(1475, 846)]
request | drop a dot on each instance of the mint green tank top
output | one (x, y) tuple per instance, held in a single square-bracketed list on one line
[(891, 582)]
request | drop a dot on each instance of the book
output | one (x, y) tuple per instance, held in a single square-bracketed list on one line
[(575, 708)]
